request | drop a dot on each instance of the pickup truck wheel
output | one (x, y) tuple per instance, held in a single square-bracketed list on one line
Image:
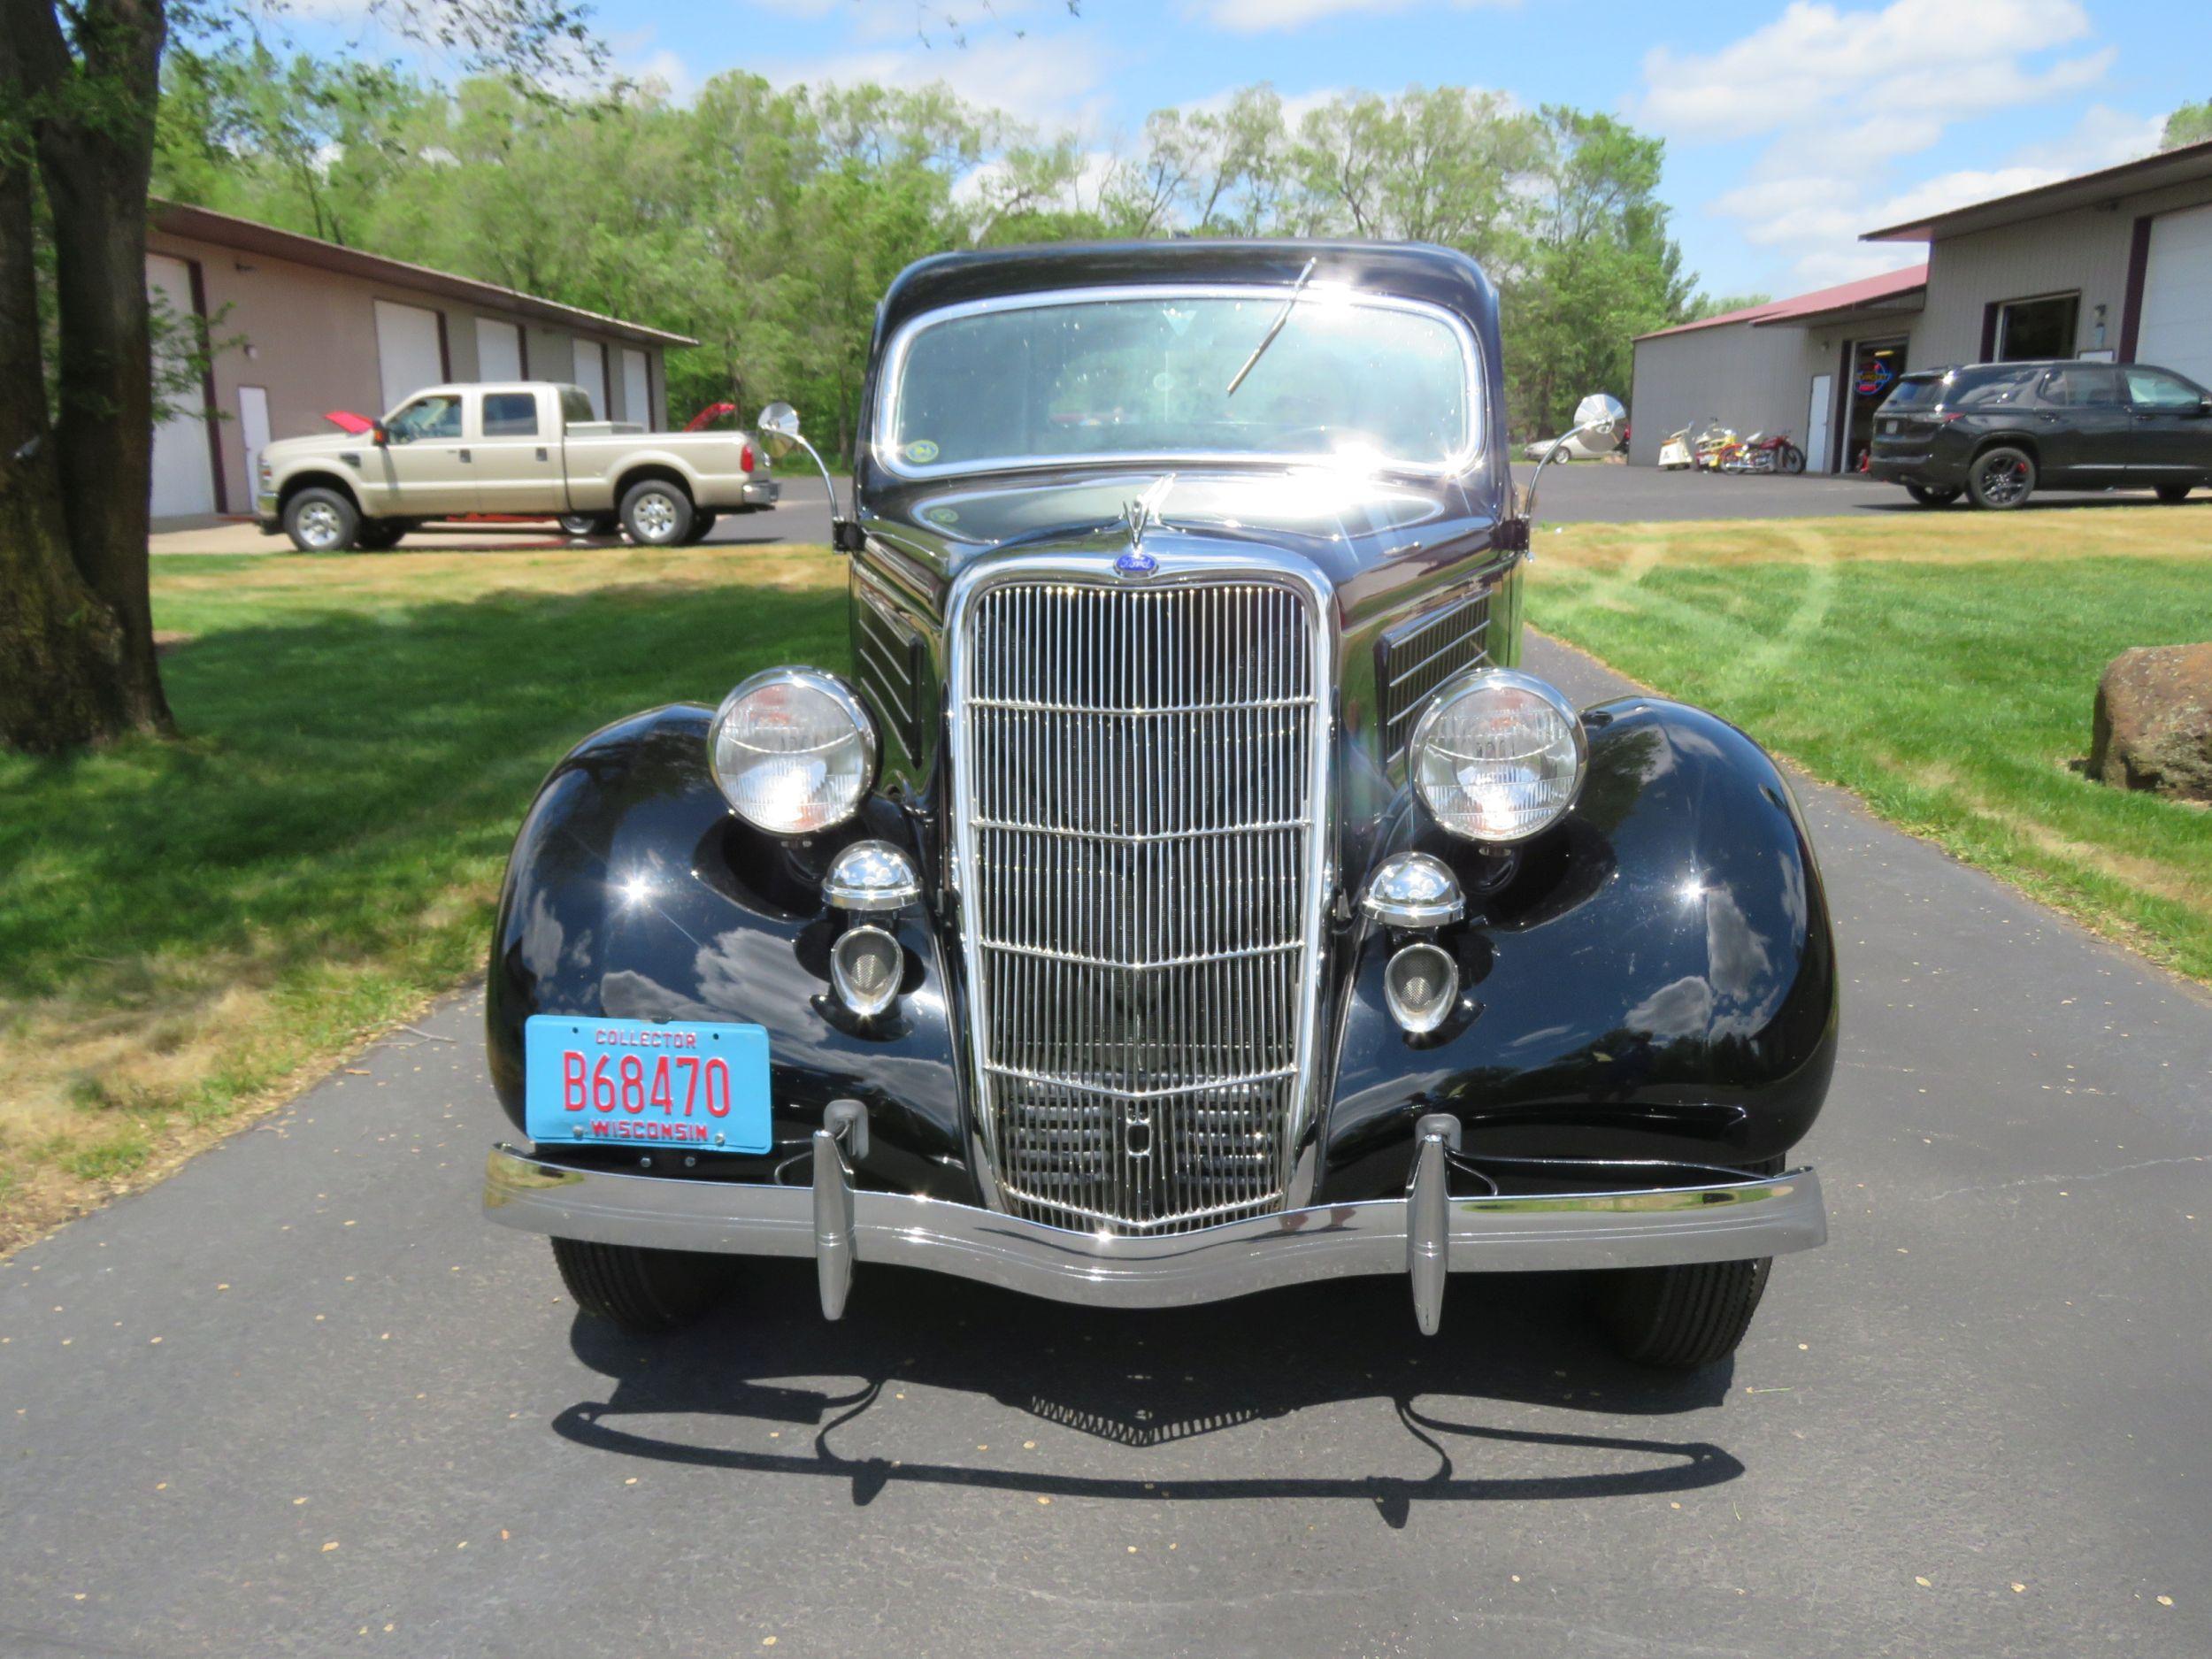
[(702, 527), (644, 1292), (588, 523), (376, 535), (657, 514), (321, 521), (2001, 478), (1931, 494)]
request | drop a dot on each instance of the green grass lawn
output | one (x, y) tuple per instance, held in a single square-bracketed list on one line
[(184, 927), (1943, 666)]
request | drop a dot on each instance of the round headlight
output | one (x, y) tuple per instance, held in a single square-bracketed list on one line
[(1498, 754), (793, 750)]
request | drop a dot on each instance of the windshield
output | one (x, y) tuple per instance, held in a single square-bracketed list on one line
[(1117, 375)]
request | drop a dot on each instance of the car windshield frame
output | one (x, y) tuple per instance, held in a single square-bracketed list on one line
[(883, 422)]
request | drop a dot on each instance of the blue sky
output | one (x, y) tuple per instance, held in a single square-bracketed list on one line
[(1789, 128)]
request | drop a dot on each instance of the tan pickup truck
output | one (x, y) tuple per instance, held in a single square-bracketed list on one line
[(528, 450)]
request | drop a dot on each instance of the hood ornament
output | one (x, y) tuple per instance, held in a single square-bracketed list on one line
[(1140, 516)]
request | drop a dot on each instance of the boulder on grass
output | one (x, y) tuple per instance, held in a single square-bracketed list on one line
[(2154, 721)]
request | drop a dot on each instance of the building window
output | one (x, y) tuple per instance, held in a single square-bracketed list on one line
[(2044, 327)]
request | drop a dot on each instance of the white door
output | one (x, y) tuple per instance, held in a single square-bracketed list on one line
[(591, 374), (184, 469), (637, 395), (1816, 418), (2176, 328), (498, 350), (407, 354), (253, 431)]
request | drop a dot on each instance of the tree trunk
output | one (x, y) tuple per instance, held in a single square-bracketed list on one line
[(59, 646), (90, 100)]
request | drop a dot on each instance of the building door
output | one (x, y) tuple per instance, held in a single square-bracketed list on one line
[(1875, 366), (1816, 456), (591, 374), (637, 395), (2176, 328), (184, 464), (253, 431), (498, 350), (410, 351)]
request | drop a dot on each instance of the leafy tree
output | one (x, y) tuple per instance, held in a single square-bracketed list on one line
[(2191, 123), (80, 92)]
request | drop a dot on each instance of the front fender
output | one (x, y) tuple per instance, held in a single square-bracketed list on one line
[(1653, 978), (632, 892)]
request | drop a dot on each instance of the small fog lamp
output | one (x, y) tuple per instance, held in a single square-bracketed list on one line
[(1413, 890), (866, 965), (872, 878), (1420, 985)]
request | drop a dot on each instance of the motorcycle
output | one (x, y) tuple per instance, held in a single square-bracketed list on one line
[(1777, 453), (1674, 452)]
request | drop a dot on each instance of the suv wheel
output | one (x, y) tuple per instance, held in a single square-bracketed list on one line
[(1932, 494), (2001, 478), (2171, 493), (321, 521), (657, 514)]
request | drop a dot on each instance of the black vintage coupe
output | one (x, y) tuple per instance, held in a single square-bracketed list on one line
[(1186, 892)]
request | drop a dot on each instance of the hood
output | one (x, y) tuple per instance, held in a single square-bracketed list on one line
[(330, 443)]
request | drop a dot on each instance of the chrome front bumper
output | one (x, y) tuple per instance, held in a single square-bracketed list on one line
[(1424, 1235)]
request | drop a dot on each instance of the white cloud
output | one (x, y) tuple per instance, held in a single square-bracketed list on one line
[(1844, 99), (1257, 16), (1051, 82), (1946, 58)]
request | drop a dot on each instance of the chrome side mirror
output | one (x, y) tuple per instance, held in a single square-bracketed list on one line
[(1599, 414), (778, 432)]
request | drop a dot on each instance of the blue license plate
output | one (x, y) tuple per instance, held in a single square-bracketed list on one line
[(635, 1082)]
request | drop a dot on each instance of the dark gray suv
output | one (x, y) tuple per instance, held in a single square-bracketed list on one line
[(1996, 432)]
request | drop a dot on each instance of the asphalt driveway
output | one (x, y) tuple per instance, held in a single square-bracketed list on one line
[(300, 1399)]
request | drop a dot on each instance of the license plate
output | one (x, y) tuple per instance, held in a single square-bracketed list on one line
[(635, 1082)]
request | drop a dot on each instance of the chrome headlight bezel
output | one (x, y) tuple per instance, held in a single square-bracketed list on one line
[(846, 701), (1476, 682)]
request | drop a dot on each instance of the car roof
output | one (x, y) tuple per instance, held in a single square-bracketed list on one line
[(1418, 271)]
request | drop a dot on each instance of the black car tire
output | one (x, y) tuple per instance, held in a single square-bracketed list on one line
[(2172, 492), (1680, 1318), (702, 527), (1932, 494), (321, 521), (589, 523), (2001, 478), (380, 535), (657, 513), (644, 1292)]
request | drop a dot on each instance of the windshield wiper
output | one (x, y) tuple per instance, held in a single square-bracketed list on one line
[(1274, 328)]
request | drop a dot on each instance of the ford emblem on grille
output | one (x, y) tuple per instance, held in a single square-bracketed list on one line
[(1135, 562)]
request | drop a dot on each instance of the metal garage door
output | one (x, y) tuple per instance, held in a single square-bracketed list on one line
[(408, 353), (2175, 332), (498, 350), (184, 471), (637, 402)]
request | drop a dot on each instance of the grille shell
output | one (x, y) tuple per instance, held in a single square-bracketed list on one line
[(1139, 795)]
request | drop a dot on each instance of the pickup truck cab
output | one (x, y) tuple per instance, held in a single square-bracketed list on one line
[(524, 449)]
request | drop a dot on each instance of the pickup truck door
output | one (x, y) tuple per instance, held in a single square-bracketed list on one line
[(424, 469), (2173, 430), (519, 453)]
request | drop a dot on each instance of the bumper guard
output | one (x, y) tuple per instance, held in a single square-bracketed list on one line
[(1426, 1235)]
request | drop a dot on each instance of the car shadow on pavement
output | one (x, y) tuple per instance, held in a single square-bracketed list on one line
[(1140, 1380)]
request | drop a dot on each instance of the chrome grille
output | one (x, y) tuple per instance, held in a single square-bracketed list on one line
[(1141, 892)]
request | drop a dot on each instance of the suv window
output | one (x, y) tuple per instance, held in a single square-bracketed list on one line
[(2080, 386), (1915, 391), (437, 416), (511, 415), (1991, 388), (2155, 388)]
